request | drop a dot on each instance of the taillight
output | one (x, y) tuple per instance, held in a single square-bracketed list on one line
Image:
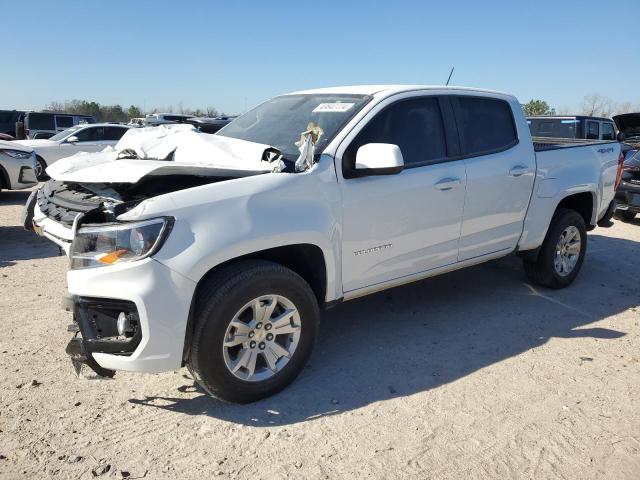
[(619, 174)]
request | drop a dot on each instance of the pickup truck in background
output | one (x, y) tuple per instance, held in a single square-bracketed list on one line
[(575, 127), (218, 251)]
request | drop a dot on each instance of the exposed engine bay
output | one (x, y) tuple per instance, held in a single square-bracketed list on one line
[(100, 202)]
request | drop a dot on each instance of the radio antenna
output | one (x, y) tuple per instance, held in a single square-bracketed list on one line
[(450, 73)]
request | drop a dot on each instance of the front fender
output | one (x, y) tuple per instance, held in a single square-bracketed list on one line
[(218, 222)]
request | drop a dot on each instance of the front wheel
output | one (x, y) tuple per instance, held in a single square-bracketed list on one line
[(40, 169), (562, 252), (255, 327)]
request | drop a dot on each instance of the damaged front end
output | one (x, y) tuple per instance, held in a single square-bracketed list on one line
[(104, 326)]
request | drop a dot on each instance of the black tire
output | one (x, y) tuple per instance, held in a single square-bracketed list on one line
[(40, 169), (542, 270), (625, 215), (222, 297)]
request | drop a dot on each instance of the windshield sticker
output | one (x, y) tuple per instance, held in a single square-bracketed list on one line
[(333, 107)]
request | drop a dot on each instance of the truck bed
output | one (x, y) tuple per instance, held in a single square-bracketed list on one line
[(541, 144)]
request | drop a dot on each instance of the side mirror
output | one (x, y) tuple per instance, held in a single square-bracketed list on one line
[(378, 159), (622, 137), (72, 139)]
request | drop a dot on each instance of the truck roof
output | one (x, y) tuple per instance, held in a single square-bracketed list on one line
[(391, 89)]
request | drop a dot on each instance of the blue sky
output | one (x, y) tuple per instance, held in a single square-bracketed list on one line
[(228, 54)]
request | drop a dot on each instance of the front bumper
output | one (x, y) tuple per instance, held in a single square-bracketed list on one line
[(159, 298)]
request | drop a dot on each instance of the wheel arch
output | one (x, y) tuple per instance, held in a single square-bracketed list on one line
[(585, 203), (305, 259), (4, 178)]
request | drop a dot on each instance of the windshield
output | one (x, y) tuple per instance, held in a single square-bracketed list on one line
[(280, 121), (65, 133)]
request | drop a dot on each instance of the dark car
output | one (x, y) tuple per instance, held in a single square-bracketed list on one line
[(210, 124), (628, 193), (8, 120)]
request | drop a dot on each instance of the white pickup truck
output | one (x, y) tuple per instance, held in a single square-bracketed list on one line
[(218, 251)]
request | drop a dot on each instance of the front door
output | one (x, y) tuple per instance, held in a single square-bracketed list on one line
[(398, 225)]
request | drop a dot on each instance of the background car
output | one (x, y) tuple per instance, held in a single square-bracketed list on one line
[(8, 120), (628, 193), (575, 126), (209, 124), (80, 138), (36, 125), (153, 119), (16, 163)]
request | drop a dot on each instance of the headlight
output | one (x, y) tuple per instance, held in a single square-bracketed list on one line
[(17, 154), (118, 243)]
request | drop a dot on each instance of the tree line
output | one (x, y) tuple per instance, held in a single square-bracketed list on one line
[(117, 113), (593, 105)]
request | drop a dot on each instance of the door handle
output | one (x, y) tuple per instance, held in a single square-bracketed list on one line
[(519, 170), (447, 183)]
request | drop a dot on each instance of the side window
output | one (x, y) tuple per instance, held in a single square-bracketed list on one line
[(63, 122), (114, 133), (593, 131), (40, 121), (608, 133), (487, 125), (415, 125), (90, 134)]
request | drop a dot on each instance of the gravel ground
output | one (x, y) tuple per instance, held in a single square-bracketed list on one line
[(474, 375)]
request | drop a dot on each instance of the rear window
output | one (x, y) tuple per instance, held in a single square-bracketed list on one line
[(40, 121), (608, 133), (487, 125), (593, 131)]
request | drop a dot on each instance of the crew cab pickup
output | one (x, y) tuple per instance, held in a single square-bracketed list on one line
[(218, 251)]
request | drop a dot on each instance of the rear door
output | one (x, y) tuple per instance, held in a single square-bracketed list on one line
[(113, 134), (500, 175), (403, 224)]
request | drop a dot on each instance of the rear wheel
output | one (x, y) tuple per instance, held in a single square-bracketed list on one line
[(562, 252), (625, 215), (255, 328)]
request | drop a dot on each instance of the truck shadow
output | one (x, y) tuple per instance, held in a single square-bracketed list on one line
[(16, 243), (14, 197), (421, 336)]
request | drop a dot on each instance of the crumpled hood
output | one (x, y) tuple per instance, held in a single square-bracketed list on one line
[(628, 123), (193, 153)]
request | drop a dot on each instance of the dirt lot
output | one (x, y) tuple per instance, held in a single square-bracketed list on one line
[(471, 375)]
